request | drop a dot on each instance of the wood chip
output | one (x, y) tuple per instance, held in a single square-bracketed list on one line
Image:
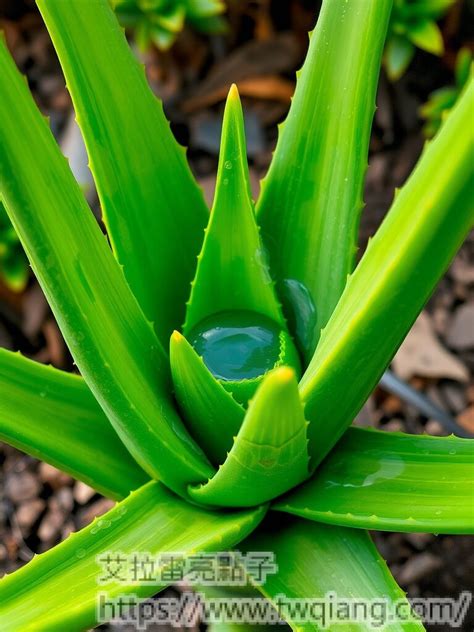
[(422, 354)]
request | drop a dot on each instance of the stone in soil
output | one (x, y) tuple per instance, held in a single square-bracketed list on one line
[(21, 486), (461, 332), (28, 513)]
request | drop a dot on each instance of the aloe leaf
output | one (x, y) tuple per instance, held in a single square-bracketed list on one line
[(212, 415), (426, 225), (391, 482), (269, 455), (311, 199), (113, 345), (59, 590), (53, 416), (232, 271), (154, 212), (320, 563)]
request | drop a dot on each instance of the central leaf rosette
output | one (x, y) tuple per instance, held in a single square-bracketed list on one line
[(235, 366)]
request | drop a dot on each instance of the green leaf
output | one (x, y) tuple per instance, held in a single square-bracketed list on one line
[(269, 455), (163, 40), (53, 416), (433, 9), (312, 196), (59, 590), (410, 252), (391, 482), (442, 99), (463, 67), (212, 415), (232, 272), (113, 345), (154, 212), (427, 36), (172, 20), (398, 54), (316, 561), (15, 270), (212, 25), (203, 8)]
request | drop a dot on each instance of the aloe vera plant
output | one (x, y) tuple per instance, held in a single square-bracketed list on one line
[(221, 367)]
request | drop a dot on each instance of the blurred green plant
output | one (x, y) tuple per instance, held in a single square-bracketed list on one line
[(441, 101), (220, 425), (159, 22), (14, 268), (413, 25)]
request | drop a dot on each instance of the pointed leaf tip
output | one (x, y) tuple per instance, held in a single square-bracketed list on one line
[(269, 454), (233, 93), (176, 337), (284, 374), (232, 272)]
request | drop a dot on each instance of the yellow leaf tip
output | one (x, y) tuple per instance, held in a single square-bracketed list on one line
[(284, 374), (176, 336), (233, 92)]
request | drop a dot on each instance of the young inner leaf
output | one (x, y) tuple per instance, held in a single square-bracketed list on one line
[(232, 272)]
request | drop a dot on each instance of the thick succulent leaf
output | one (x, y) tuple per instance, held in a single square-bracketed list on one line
[(212, 415), (59, 590), (428, 221), (53, 416), (232, 271), (391, 482), (269, 455), (154, 211), (311, 199), (426, 35), (113, 345), (315, 561)]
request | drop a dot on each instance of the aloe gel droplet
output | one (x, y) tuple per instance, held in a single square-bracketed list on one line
[(242, 345)]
